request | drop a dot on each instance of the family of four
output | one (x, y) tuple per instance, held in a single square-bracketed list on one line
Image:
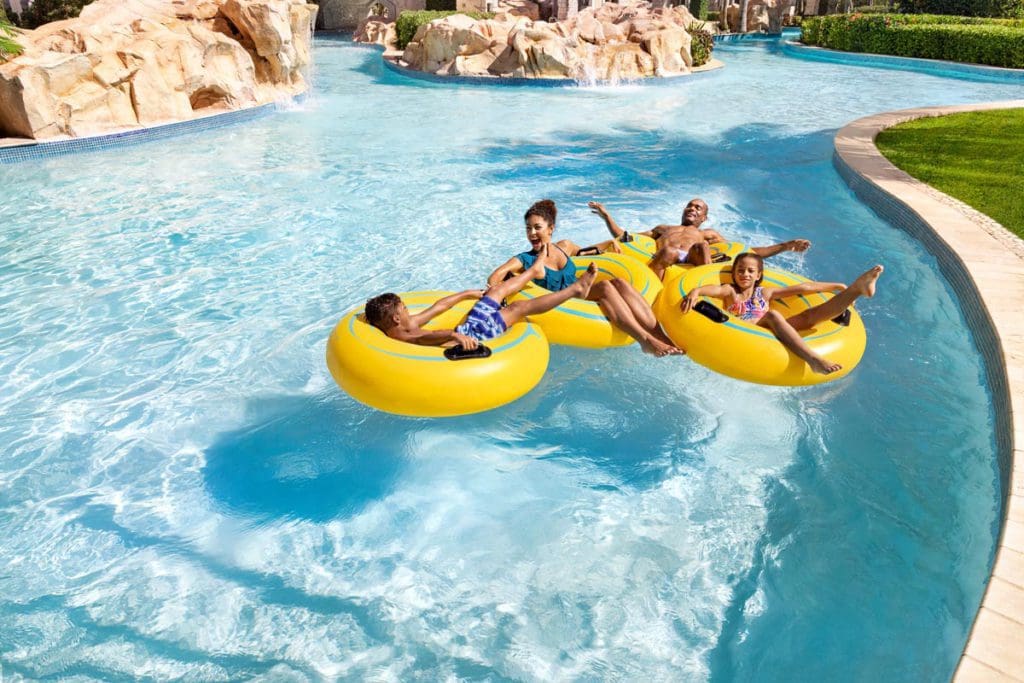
[(549, 264)]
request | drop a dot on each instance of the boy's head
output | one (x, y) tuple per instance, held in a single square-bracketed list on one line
[(383, 311)]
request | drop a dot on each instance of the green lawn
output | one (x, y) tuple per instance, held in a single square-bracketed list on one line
[(977, 157)]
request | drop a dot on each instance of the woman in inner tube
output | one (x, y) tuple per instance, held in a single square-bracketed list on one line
[(620, 303)]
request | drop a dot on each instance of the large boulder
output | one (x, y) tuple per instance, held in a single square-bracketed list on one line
[(612, 42), (129, 63), (377, 31)]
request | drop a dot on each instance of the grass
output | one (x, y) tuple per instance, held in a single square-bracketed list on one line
[(977, 157)]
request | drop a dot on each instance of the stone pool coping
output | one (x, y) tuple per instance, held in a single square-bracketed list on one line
[(984, 263), (14, 150)]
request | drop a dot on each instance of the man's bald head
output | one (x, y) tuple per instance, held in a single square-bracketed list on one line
[(695, 213)]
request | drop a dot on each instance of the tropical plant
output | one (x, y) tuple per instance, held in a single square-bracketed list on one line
[(8, 46), (701, 43)]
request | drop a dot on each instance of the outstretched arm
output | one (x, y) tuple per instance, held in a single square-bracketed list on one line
[(613, 227), (803, 288), (501, 273), (442, 305), (433, 337), (792, 245), (691, 299)]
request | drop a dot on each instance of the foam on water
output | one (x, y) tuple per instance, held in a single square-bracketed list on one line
[(185, 493)]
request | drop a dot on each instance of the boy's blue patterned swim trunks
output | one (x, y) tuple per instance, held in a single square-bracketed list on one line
[(484, 321)]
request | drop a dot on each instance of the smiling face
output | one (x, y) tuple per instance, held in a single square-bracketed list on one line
[(538, 231), (747, 272), (695, 213)]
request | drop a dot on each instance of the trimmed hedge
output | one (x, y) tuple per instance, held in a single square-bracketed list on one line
[(958, 39), (965, 8), (409, 22), (699, 9)]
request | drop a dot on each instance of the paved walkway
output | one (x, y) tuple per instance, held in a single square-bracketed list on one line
[(985, 265)]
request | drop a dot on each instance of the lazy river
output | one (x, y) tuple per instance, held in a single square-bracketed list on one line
[(186, 493)]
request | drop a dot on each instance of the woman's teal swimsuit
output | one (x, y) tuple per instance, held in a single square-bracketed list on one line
[(553, 280)]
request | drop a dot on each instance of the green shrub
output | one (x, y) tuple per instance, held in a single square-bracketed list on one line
[(996, 42), (713, 17), (699, 9), (408, 22), (440, 5), (44, 11), (701, 43)]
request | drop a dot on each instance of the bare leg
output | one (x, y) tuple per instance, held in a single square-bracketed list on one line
[(619, 314), (788, 335), (662, 259), (517, 310), (641, 310), (862, 286), (514, 284), (699, 254)]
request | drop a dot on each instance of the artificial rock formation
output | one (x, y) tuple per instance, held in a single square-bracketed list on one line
[(610, 43), (129, 63)]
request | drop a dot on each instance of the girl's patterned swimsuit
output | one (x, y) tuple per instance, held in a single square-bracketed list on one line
[(751, 310)]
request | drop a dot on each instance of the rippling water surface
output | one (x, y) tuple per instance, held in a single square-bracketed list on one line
[(184, 492)]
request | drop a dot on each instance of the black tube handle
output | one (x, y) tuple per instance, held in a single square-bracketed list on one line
[(459, 353), (711, 311)]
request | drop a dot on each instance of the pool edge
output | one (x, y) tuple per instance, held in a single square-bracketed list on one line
[(980, 260)]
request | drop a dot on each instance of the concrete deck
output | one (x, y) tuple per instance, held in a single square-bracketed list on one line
[(985, 265)]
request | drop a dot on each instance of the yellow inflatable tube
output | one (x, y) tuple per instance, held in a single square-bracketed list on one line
[(744, 350), (409, 379), (642, 248), (581, 323)]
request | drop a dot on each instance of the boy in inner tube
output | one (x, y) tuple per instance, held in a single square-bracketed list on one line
[(486, 320)]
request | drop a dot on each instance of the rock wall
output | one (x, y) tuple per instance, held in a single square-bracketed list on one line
[(129, 63), (611, 42)]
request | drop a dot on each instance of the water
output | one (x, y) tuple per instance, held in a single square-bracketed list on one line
[(185, 493)]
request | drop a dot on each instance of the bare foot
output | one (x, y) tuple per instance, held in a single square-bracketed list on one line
[(660, 349), (586, 281), (865, 284), (823, 366)]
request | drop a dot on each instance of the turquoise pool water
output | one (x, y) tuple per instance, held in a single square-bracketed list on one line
[(185, 493)]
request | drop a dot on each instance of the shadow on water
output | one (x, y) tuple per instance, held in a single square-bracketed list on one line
[(297, 459)]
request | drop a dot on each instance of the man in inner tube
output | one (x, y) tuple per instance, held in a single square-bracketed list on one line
[(686, 242)]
